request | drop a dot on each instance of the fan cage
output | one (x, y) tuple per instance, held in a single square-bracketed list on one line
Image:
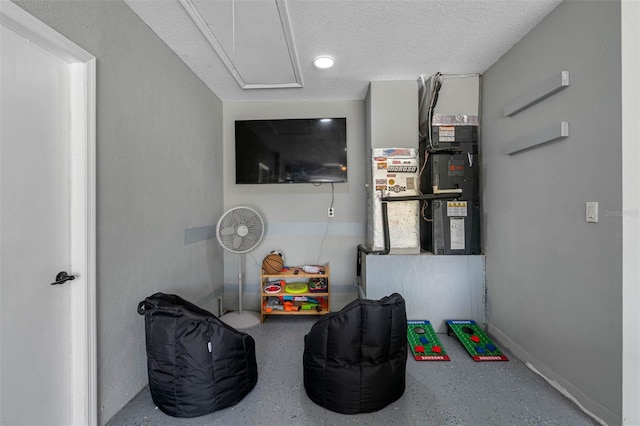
[(240, 229)]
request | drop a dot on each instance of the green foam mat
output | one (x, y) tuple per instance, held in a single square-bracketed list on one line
[(475, 341), (424, 342)]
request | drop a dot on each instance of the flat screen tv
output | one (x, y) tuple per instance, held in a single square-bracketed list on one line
[(301, 150)]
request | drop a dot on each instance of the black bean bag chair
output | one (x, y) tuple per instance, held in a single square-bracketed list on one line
[(355, 360), (196, 363)]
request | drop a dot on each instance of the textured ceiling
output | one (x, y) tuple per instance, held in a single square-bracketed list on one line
[(372, 40)]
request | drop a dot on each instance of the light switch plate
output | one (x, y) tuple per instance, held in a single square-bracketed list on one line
[(592, 212)]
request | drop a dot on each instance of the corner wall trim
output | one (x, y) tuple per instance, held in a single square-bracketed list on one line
[(538, 92), (552, 133)]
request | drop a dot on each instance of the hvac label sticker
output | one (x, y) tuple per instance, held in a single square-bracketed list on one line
[(456, 208), (447, 134), (456, 227)]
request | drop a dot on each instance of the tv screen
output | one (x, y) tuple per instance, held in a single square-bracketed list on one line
[(302, 150)]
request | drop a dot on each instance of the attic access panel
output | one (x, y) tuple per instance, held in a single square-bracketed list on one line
[(252, 38)]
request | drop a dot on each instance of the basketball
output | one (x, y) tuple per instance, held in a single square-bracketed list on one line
[(272, 263)]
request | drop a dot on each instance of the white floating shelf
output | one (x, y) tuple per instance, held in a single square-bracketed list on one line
[(535, 94), (552, 133)]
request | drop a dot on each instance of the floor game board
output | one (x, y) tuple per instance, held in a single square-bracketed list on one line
[(424, 342), (475, 341)]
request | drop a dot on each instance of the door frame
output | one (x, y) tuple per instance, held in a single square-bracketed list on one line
[(82, 206), (630, 40)]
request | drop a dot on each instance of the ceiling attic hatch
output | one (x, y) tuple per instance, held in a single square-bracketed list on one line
[(253, 39)]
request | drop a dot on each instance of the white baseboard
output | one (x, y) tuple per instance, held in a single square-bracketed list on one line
[(586, 404)]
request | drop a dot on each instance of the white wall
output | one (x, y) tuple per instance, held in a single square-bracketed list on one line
[(296, 214), (554, 281), (159, 171)]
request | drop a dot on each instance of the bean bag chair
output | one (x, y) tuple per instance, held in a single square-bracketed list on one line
[(196, 363), (354, 360)]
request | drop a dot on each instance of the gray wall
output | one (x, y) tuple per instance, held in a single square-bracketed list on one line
[(159, 173), (296, 214), (554, 281)]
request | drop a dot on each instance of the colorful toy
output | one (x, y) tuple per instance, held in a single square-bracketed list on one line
[(302, 299), (306, 306), (279, 253), (290, 307), (273, 302), (424, 342), (475, 341), (317, 285), (274, 286), (313, 269), (296, 288)]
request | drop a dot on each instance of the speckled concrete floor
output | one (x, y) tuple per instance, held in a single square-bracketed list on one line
[(458, 392)]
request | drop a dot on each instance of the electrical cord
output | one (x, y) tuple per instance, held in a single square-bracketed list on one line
[(332, 195), (326, 232), (421, 102), (427, 134), (424, 204), (434, 90)]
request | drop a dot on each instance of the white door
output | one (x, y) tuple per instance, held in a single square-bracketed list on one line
[(34, 183), (40, 337)]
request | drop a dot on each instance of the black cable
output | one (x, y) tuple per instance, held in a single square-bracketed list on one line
[(326, 232), (332, 195)]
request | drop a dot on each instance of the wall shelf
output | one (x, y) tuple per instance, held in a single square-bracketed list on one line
[(537, 93), (552, 133)]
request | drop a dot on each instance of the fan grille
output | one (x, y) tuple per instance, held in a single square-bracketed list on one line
[(240, 229)]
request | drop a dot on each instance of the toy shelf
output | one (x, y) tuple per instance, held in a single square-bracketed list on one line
[(294, 274)]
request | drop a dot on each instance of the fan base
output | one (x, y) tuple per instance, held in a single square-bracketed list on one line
[(246, 319)]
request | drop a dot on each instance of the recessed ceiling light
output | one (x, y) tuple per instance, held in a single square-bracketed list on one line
[(324, 62)]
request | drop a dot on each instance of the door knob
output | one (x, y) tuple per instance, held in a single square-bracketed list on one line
[(62, 278)]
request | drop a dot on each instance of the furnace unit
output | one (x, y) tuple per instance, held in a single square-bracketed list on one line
[(452, 227), (450, 164)]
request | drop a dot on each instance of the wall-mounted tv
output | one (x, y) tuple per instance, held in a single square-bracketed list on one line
[(301, 150)]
